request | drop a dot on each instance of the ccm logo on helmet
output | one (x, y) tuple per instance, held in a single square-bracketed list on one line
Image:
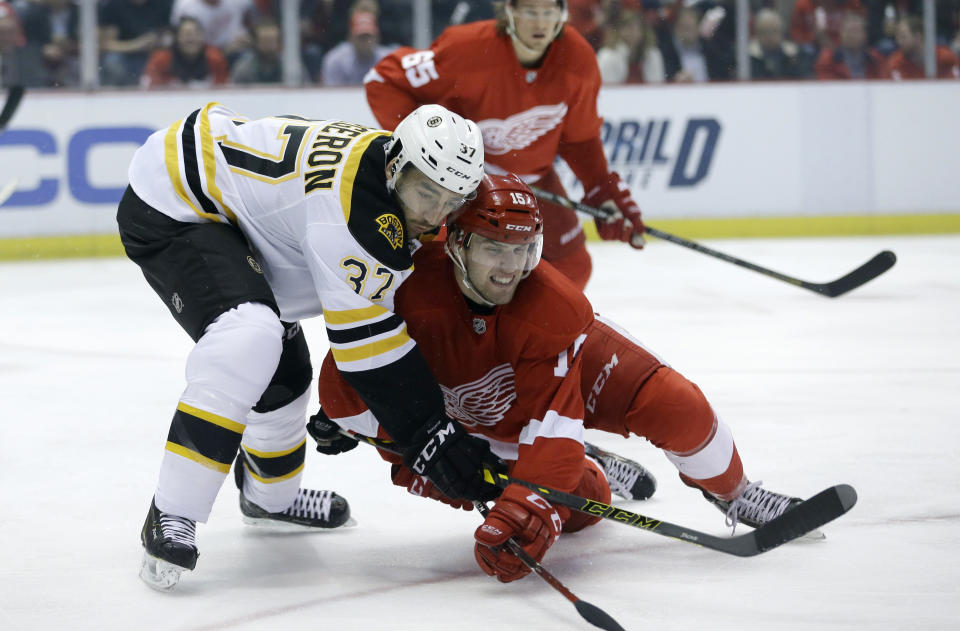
[(458, 173), (513, 226)]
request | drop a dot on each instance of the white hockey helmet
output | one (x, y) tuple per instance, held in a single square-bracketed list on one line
[(444, 146)]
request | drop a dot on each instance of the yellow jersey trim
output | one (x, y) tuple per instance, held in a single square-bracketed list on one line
[(350, 171), (275, 454), (209, 417), (350, 316), (210, 161), (189, 454), (366, 351), (171, 157), (271, 480)]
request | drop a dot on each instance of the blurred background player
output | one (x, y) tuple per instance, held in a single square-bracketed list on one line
[(524, 363), (244, 227), (531, 83)]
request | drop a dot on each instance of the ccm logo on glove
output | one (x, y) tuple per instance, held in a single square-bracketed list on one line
[(430, 449)]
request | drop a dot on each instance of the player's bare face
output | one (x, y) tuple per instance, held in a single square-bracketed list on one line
[(535, 22), (494, 269), (425, 203)]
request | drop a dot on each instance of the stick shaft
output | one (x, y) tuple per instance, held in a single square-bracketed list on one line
[(866, 272)]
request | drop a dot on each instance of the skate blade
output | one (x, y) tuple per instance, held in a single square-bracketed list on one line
[(286, 526), (159, 574)]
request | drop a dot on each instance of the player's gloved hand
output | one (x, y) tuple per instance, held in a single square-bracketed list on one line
[(452, 459), (327, 434), (529, 519), (420, 485), (625, 224)]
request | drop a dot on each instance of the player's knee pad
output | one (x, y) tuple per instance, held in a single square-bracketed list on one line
[(293, 374), (234, 359), (673, 413), (593, 485)]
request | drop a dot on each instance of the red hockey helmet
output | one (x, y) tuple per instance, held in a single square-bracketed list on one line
[(505, 212)]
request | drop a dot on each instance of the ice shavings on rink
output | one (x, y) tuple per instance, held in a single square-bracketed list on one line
[(861, 389)]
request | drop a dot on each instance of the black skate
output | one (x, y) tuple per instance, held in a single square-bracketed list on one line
[(628, 479), (324, 510), (170, 547), (756, 506)]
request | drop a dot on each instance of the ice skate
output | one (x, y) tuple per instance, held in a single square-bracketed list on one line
[(170, 547), (311, 509), (628, 479), (756, 506)]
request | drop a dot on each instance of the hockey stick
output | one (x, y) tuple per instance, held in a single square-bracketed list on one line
[(866, 272), (14, 94), (589, 612), (808, 515)]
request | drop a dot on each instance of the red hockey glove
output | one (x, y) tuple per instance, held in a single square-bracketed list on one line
[(626, 224), (524, 515), (420, 485)]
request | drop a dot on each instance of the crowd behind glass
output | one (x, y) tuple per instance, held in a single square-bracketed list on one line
[(152, 44)]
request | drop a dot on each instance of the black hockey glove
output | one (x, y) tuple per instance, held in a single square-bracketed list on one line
[(327, 434), (453, 460)]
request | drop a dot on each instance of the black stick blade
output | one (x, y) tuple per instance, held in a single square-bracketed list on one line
[(863, 274), (820, 509), (596, 616)]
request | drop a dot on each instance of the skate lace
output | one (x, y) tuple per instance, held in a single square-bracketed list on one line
[(621, 475), (178, 529), (311, 504), (756, 504)]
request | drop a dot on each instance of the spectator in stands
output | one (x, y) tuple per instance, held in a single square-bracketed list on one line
[(907, 61), (815, 24), (315, 17), (129, 31), (692, 52), (629, 53), (17, 66), (51, 27), (883, 16), (852, 59), (189, 62), (223, 21), (262, 63), (348, 62), (772, 57)]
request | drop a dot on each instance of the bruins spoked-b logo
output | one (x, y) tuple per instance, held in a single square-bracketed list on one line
[(392, 229), (433, 121), (254, 264)]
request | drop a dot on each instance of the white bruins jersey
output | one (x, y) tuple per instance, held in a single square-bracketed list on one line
[(311, 198)]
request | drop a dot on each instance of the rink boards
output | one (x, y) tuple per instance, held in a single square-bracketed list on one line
[(703, 161)]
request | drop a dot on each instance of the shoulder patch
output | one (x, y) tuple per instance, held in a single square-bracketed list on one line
[(392, 229), (374, 218)]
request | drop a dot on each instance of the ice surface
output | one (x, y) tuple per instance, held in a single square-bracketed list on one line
[(863, 389)]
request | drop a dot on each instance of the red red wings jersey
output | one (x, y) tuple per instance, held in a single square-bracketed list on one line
[(512, 376), (524, 113)]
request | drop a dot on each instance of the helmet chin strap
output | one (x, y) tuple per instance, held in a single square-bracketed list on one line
[(465, 277)]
